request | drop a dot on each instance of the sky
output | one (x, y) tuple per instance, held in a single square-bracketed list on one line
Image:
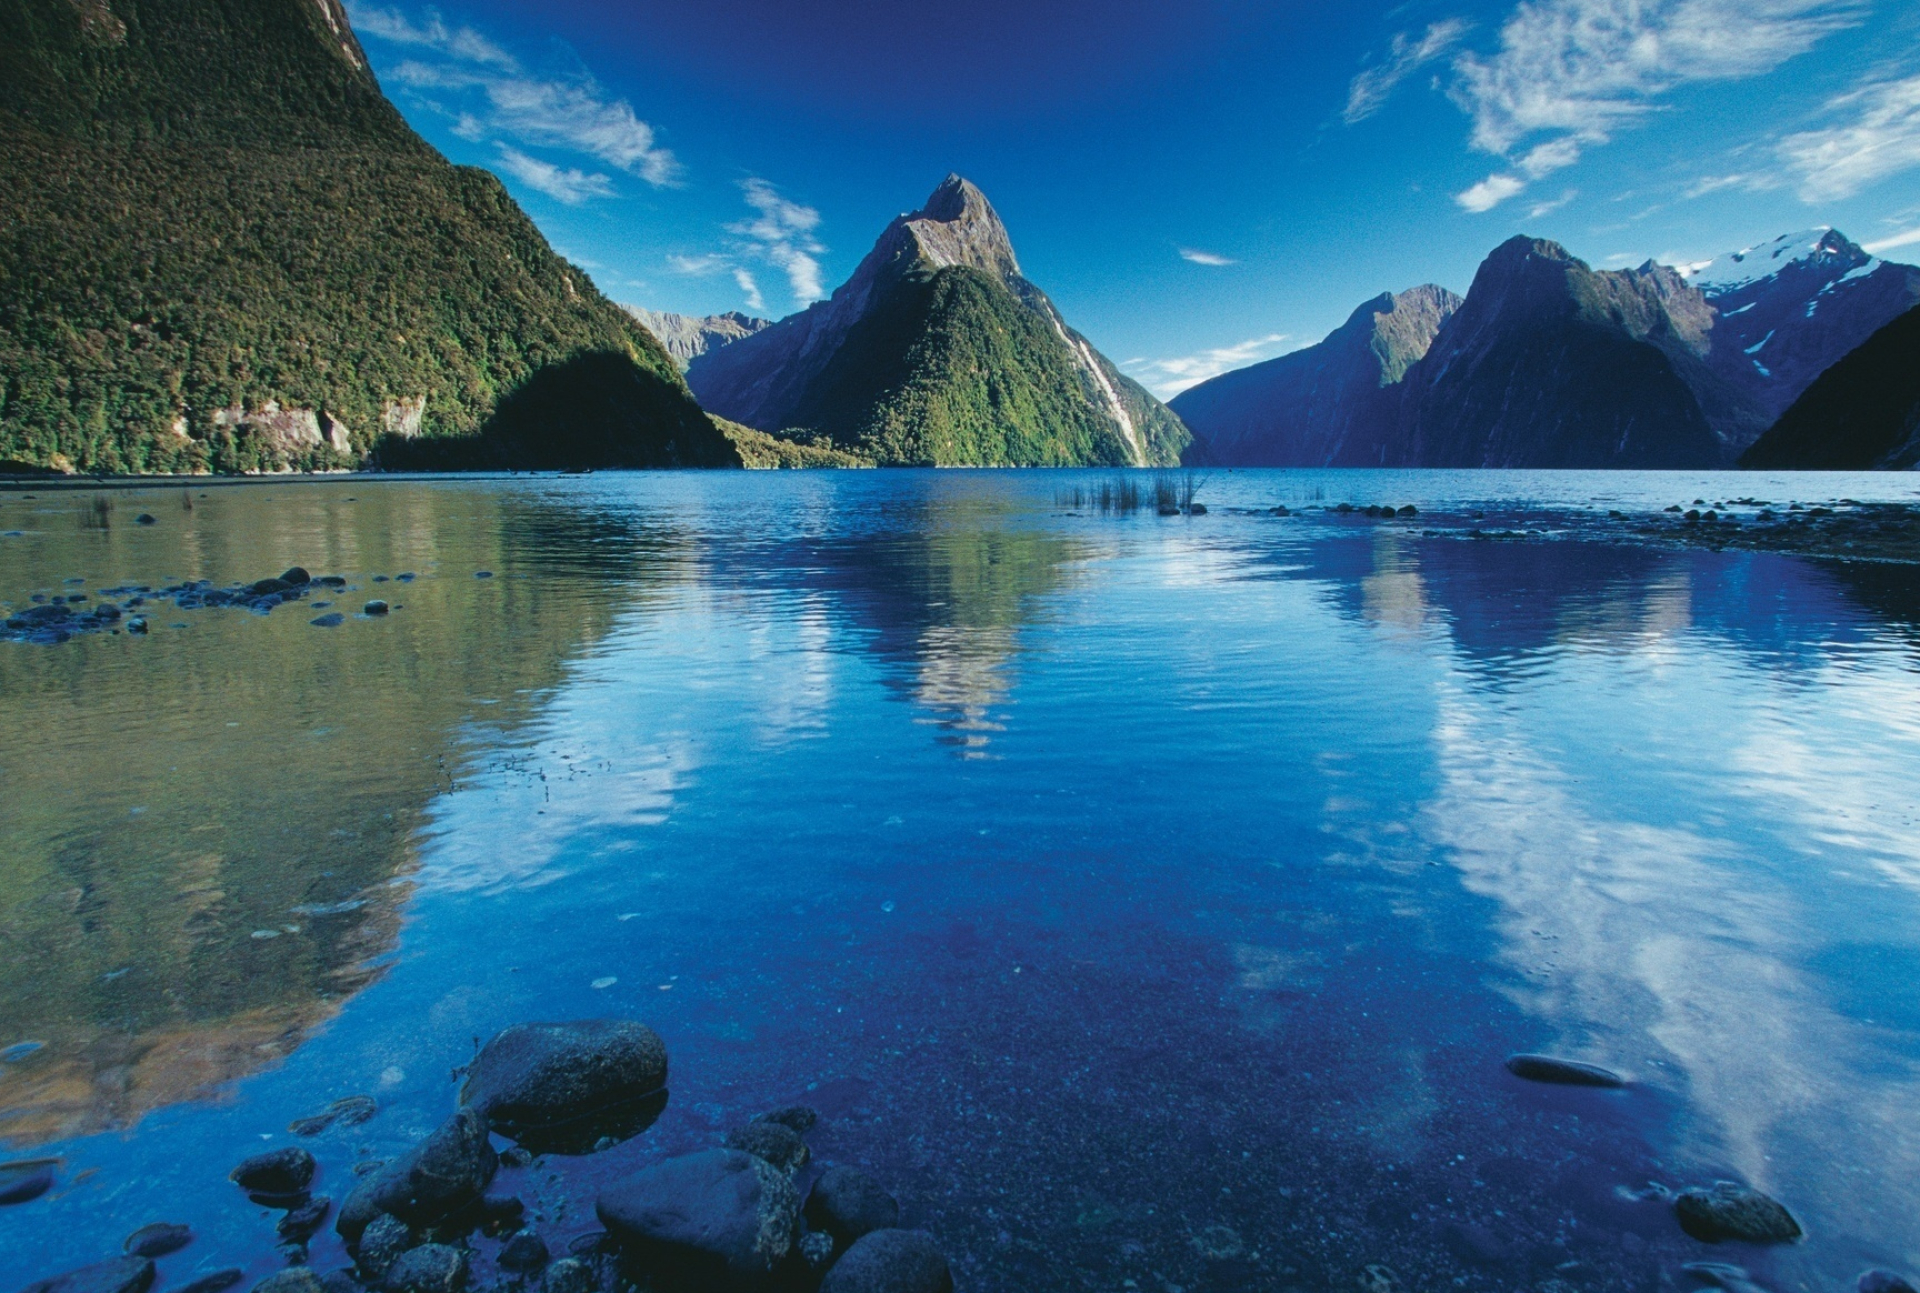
[(1198, 184)]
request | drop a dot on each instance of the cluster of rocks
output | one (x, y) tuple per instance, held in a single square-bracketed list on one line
[(753, 1215), (49, 620), (1380, 511)]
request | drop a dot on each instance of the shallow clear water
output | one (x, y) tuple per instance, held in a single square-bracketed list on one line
[(1143, 899)]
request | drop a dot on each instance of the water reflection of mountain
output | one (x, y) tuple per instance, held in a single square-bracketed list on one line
[(1505, 604), (204, 836), (939, 591)]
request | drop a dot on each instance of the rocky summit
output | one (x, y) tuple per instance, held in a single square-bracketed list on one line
[(687, 338), (222, 249), (939, 351)]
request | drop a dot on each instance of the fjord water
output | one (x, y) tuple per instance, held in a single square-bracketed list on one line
[(1149, 902)]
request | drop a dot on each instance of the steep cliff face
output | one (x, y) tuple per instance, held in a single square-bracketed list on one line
[(1861, 413), (938, 350), (1335, 404), (1550, 364), (686, 337), (221, 248)]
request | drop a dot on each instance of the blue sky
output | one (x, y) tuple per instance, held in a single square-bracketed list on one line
[(1197, 183)]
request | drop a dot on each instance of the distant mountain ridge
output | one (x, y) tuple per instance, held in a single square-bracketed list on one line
[(937, 350), (1549, 362), (687, 338), (222, 248), (1335, 404)]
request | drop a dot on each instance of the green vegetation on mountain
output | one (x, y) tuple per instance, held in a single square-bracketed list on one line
[(951, 367), (762, 451), (939, 352), (221, 248)]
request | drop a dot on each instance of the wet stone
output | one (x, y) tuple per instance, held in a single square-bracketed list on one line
[(846, 1203), (446, 1172), (772, 1143), (571, 1275), (359, 1209), (145, 518), (158, 1239), (340, 1282), (430, 1268), (375, 607), (1728, 1210), (277, 1172), (300, 1223), (1546, 1068), (890, 1261), (1879, 1281), (121, 1275), (294, 1279), (217, 1282), (797, 1117), (381, 1244), (296, 576), (525, 1251), (26, 1180), (350, 1112), (330, 621), (563, 1087), (720, 1214)]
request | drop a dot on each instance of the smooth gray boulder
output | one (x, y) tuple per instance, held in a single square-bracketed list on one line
[(890, 1261), (444, 1173), (846, 1203), (276, 1172), (121, 1275), (564, 1087), (1728, 1210), (720, 1216), (157, 1240)]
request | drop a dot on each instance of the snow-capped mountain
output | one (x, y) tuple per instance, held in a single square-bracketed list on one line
[(1787, 310)]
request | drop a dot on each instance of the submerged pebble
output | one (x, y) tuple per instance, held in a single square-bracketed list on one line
[(158, 1239), (217, 1282), (120, 1275), (430, 1268), (719, 1215), (1546, 1068), (846, 1203), (890, 1261), (354, 1109), (1879, 1281), (277, 1171), (25, 1180)]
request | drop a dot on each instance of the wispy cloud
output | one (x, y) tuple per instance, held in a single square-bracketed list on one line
[(1570, 73), (782, 232), (750, 288), (1166, 378), (1719, 183), (1877, 135), (1541, 209), (1199, 257), (491, 95), (561, 183), (1907, 239), (1406, 55)]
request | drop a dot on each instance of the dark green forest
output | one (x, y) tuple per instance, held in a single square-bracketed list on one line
[(209, 205)]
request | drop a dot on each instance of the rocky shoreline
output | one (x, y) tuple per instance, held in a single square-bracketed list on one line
[(754, 1215)]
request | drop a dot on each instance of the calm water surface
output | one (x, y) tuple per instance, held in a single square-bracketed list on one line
[(1149, 902)]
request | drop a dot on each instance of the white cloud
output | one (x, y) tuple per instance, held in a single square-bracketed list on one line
[(1717, 183), (1372, 87), (1880, 137), (782, 232), (490, 94), (711, 263), (1906, 239), (1205, 257), (1576, 71), (563, 184), (1541, 209), (463, 43), (1490, 192), (1168, 377), (750, 287)]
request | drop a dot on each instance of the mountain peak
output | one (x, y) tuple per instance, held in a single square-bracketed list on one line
[(1822, 246), (958, 226)]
